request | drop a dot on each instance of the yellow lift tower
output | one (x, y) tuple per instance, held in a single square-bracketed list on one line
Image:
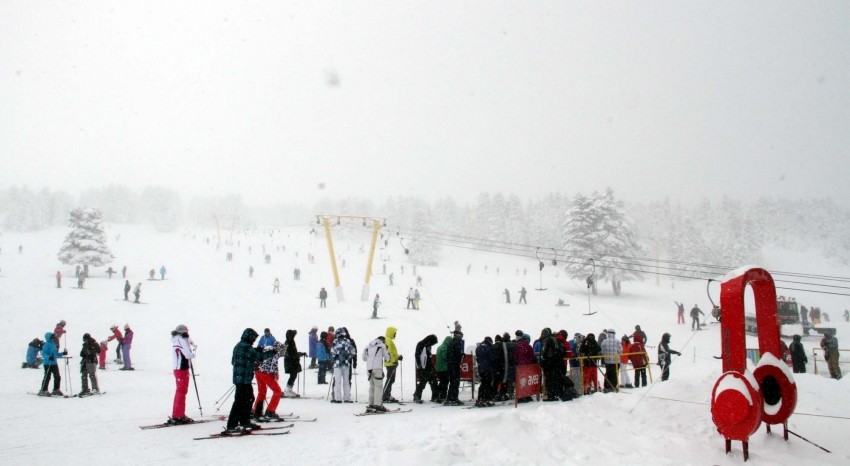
[(325, 220)]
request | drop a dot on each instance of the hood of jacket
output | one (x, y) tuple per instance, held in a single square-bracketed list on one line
[(290, 334), (430, 340), (391, 331), (249, 335), (48, 336), (342, 332), (446, 342)]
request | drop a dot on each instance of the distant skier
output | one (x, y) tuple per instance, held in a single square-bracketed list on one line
[(58, 279), (251, 271), (119, 338), (391, 278), (276, 288), (410, 297), (798, 355), (152, 274), (110, 271), (323, 297), (81, 281), (77, 271), (127, 288), (507, 296), (124, 272), (416, 298), (375, 304), (829, 344), (680, 310), (137, 292), (695, 313), (162, 273), (522, 294), (126, 345), (846, 315)]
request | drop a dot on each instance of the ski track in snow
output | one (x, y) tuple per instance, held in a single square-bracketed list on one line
[(217, 300)]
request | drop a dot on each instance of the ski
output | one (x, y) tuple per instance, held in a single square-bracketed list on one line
[(300, 420), (50, 396), (241, 434), (165, 424), (301, 397), (86, 395), (272, 421), (392, 411)]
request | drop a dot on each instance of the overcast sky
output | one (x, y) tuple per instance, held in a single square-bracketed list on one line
[(269, 99)]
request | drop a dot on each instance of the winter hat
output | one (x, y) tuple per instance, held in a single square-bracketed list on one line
[(86, 336), (518, 333), (526, 337), (488, 340), (180, 329), (62, 323), (126, 326), (103, 342), (265, 330), (114, 326)]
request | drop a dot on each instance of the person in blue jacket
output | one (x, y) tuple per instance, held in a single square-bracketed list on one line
[(266, 340), (33, 361), (51, 354), (484, 359)]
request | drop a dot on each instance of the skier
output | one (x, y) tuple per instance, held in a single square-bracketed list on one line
[(267, 377), (137, 292), (454, 357), (124, 272), (323, 297), (612, 349), (695, 313), (442, 370), (625, 379), (126, 344), (846, 315), (323, 356), (50, 353), (77, 271), (391, 365), (588, 350), (416, 298), (58, 279), (101, 359), (109, 271), (507, 296), (639, 336), (342, 353), (312, 346), (244, 359), (425, 373), (276, 288), (251, 271), (829, 344), (798, 355), (680, 310), (484, 360), (58, 331), (375, 304), (81, 280), (127, 290), (391, 278), (182, 353), (152, 274), (116, 335), (375, 354), (522, 294), (291, 363), (551, 358), (410, 297), (32, 360), (266, 340), (88, 364), (664, 358), (638, 360)]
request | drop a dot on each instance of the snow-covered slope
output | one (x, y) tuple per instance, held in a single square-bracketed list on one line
[(667, 423)]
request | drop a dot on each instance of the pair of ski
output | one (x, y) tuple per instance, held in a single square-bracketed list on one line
[(197, 421), (78, 395), (391, 411), (247, 433)]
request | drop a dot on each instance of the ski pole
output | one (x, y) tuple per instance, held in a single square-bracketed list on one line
[(68, 374), (195, 382), (401, 377), (333, 381), (304, 379), (224, 397), (355, 387)]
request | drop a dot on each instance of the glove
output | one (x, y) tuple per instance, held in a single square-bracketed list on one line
[(400, 357), (64, 352), (302, 354), (268, 348)]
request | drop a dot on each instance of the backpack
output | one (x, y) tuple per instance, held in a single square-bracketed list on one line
[(553, 350), (832, 343)]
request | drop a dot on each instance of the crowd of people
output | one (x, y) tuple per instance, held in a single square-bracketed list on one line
[(93, 356)]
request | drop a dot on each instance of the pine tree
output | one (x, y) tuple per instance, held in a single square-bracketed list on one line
[(85, 244)]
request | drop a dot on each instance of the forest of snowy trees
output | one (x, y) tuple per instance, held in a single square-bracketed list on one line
[(722, 232)]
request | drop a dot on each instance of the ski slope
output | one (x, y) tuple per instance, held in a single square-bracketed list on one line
[(667, 423)]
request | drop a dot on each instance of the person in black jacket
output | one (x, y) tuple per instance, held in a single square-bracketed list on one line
[(244, 361), (798, 355), (291, 363), (425, 371), (499, 363), (484, 360), (664, 353), (588, 349), (88, 364), (454, 356), (551, 357)]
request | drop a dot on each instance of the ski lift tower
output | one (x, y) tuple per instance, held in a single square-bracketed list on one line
[(228, 220), (325, 221)]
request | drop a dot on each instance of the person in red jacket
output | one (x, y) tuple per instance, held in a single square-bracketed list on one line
[(102, 357), (117, 336), (638, 360), (625, 379)]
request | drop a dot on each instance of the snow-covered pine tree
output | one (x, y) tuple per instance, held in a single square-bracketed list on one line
[(422, 249), (85, 244), (599, 228)]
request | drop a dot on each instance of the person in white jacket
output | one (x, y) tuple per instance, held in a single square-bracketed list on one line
[(375, 355), (182, 354)]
